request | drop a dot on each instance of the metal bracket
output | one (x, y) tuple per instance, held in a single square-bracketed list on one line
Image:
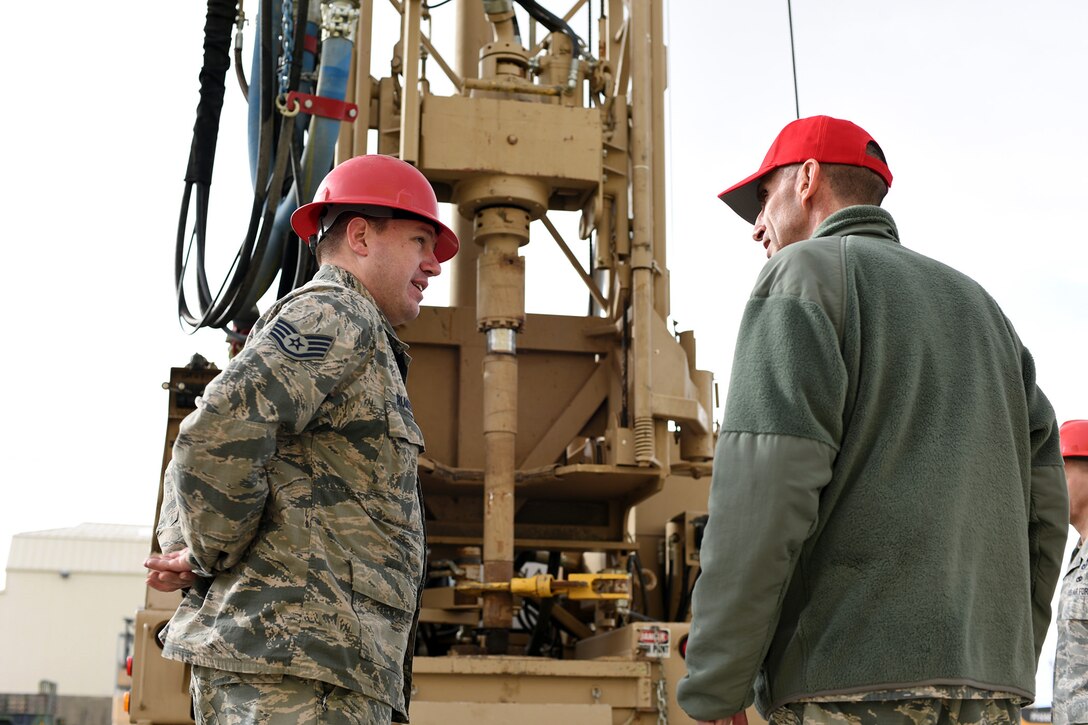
[(320, 106)]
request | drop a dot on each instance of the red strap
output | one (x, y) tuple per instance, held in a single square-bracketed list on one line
[(322, 106)]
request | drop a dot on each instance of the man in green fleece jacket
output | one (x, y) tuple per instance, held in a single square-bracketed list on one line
[(888, 509)]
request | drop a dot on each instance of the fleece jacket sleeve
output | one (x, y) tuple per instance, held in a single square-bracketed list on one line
[(779, 439), (1048, 522)]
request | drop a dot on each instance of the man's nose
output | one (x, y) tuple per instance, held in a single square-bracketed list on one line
[(758, 231), (431, 266)]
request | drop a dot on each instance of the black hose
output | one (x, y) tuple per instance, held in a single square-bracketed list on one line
[(273, 172), (198, 174), (685, 596), (218, 25), (555, 24), (633, 562)]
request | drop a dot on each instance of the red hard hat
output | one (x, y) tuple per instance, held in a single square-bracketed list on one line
[(1074, 437), (381, 181)]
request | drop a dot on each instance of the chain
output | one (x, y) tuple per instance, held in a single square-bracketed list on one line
[(288, 40), (662, 699)]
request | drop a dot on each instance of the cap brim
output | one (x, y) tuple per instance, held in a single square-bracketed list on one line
[(743, 197)]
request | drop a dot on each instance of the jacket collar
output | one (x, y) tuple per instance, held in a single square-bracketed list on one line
[(340, 276), (864, 220)]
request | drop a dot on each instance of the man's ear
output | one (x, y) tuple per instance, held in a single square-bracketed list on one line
[(357, 235), (809, 179)]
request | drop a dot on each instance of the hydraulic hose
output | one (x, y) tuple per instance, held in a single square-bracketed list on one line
[(320, 152), (281, 254), (271, 169), (198, 174), (556, 24)]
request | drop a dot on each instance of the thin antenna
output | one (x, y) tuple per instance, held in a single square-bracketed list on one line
[(793, 57)]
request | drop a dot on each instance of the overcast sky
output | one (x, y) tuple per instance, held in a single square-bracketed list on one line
[(980, 108)]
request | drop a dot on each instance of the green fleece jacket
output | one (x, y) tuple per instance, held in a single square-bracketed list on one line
[(888, 507)]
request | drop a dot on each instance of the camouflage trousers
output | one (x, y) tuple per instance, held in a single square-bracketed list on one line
[(240, 698), (921, 711)]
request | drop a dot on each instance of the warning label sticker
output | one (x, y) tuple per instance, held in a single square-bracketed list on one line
[(653, 641)]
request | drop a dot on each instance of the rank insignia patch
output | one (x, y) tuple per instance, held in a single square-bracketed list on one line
[(297, 345)]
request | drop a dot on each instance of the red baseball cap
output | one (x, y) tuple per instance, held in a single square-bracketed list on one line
[(1074, 439), (828, 140)]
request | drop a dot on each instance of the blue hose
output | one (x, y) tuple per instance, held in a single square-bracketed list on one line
[(256, 88), (319, 154), (319, 146)]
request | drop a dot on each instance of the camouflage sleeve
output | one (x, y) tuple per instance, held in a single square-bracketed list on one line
[(168, 528), (274, 386), (1048, 523), (1071, 654)]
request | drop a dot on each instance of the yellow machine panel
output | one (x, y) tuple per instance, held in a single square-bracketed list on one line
[(558, 145)]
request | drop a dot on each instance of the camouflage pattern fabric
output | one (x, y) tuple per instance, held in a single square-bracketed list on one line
[(233, 698), (935, 692), (920, 711), (1071, 656), (295, 485)]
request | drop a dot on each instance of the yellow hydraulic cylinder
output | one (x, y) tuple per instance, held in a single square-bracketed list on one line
[(581, 586)]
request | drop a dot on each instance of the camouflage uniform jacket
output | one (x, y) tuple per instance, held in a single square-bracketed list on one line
[(1071, 656), (295, 485)]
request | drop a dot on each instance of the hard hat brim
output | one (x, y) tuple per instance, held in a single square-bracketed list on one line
[(305, 221)]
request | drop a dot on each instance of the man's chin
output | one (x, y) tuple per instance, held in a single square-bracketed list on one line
[(407, 315)]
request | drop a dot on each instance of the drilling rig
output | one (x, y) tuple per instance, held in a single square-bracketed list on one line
[(568, 457)]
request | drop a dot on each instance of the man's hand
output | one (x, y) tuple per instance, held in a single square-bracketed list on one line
[(740, 718), (170, 572)]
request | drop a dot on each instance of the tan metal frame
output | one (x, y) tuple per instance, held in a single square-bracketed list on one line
[(544, 433)]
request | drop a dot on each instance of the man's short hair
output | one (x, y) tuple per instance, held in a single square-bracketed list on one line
[(857, 184), (333, 239)]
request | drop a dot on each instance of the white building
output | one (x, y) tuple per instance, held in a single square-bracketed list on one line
[(64, 607)]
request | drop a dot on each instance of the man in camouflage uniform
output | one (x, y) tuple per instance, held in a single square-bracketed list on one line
[(292, 507), (888, 513), (1071, 657)]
